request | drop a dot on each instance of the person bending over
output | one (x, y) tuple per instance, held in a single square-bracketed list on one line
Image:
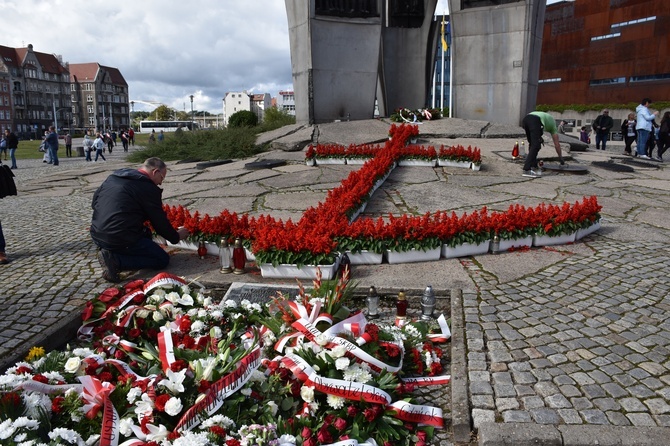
[(123, 203), (535, 124)]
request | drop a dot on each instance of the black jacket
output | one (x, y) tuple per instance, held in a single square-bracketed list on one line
[(12, 141), (121, 206), (603, 121)]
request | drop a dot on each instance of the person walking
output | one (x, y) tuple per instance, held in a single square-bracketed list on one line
[(535, 124), (99, 145), (51, 145), (68, 145), (3, 146), (88, 146), (12, 145), (629, 133), (602, 126), (124, 140), (664, 135), (131, 136), (644, 126), (122, 204)]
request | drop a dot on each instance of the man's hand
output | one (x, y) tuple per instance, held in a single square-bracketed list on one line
[(183, 233), (562, 161)]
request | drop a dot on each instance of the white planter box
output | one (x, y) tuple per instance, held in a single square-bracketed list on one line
[(310, 162), (365, 258), (286, 271), (358, 211), (581, 233), (413, 256), (466, 249), (518, 243), (416, 163), (547, 240), (475, 167), (357, 161), (448, 163), (331, 161)]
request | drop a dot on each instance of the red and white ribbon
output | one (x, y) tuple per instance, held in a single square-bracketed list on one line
[(445, 334), (166, 349)]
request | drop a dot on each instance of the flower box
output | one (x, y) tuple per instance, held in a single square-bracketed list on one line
[(331, 161), (465, 249), (548, 240), (288, 271), (358, 211), (525, 242), (475, 167), (417, 163), (442, 162), (357, 161), (310, 162), (415, 255), (583, 232), (365, 258)]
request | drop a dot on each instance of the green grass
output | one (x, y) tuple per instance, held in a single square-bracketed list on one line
[(203, 145), (27, 150)]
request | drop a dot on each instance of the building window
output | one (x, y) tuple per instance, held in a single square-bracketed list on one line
[(647, 78), (634, 22), (607, 36), (610, 81), (91, 120), (546, 81)]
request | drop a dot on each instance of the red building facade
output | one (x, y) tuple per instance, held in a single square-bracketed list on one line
[(605, 51)]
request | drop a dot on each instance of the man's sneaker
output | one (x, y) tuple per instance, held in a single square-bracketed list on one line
[(657, 158), (531, 174), (644, 157), (3, 258), (110, 267)]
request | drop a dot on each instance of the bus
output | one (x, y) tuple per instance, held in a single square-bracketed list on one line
[(166, 126)]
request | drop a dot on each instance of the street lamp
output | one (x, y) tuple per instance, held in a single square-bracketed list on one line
[(191, 111)]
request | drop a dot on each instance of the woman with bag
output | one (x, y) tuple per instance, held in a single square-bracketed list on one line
[(99, 145), (88, 146)]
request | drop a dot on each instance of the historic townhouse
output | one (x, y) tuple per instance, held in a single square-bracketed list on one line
[(99, 96)]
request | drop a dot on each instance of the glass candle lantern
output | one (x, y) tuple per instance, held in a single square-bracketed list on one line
[(401, 309), (202, 249), (427, 303), (225, 258), (373, 303), (239, 257)]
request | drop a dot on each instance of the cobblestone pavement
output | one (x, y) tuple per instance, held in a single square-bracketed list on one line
[(570, 335)]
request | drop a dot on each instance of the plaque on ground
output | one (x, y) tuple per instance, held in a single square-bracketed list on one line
[(651, 163), (615, 167), (258, 293), (566, 168), (264, 164), (206, 164)]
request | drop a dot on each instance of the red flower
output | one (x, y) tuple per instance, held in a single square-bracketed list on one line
[(218, 431), (324, 436), (41, 378), (306, 432), (134, 333), (160, 401), (57, 404), (340, 424)]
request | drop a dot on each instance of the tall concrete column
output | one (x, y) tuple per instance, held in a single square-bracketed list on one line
[(334, 58), (496, 58)]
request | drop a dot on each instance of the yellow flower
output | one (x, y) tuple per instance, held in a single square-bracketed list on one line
[(35, 353)]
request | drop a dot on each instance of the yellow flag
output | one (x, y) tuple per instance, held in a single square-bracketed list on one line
[(444, 41)]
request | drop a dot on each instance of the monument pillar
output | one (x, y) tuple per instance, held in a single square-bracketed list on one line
[(496, 47)]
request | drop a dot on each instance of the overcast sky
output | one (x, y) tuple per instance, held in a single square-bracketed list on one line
[(166, 50)]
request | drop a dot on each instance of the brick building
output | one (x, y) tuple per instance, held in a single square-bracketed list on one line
[(605, 51)]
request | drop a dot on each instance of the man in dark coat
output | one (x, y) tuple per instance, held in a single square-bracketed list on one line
[(122, 204), (602, 126)]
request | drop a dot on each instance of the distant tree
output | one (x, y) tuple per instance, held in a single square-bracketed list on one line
[(183, 116), (163, 113), (275, 118), (243, 118)]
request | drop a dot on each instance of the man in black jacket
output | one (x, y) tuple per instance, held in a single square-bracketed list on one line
[(602, 126), (122, 204)]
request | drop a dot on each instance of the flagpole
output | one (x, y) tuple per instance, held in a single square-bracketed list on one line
[(53, 104), (451, 78), (434, 85), (442, 70)]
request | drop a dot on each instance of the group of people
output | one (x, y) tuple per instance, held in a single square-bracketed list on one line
[(640, 127)]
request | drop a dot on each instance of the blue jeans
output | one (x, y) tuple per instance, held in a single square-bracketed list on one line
[(53, 153), (12, 155), (143, 254), (98, 152), (642, 137), (601, 138)]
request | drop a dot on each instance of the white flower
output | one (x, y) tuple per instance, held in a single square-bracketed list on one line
[(429, 359), (173, 406), (230, 304), (191, 439), (287, 440), (157, 316), (197, 326), (206, 301), (342, 363), (217, 314), (336, 402), (83, 352), (202, 313), (269, 338), (216, 333), (54, 377), (125, 427), (144, 406), (143, 314), (185, 300), (338, 351), (156, 433), (133, 394), (93, 439), (35, 401), (72, 364), (219, 420), (174, 380), (321, 340), (172, 297), (7, 429), (26, 423), (68, 435), (273, 407), (307, 394)]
